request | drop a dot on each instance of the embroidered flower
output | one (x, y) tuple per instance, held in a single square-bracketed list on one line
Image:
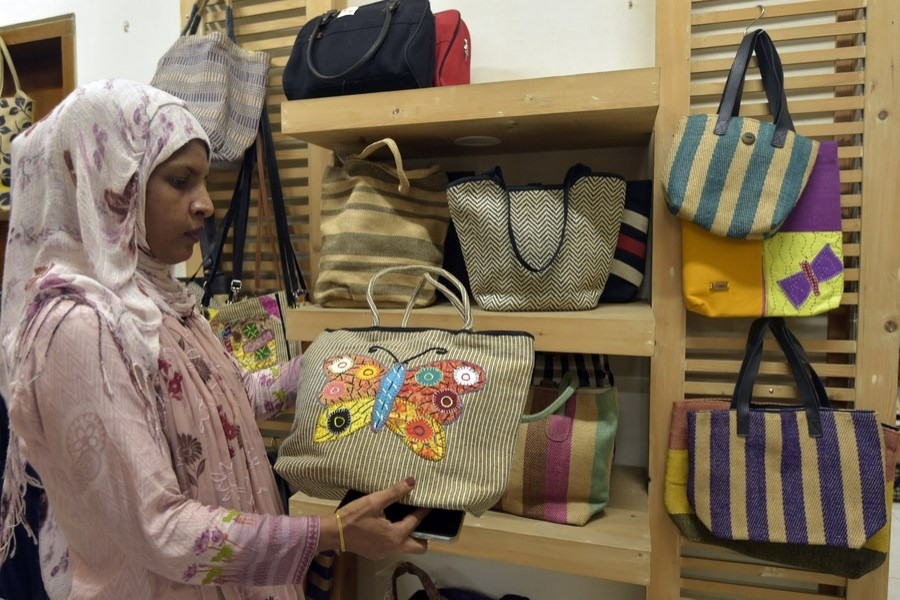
[(465, 375), (340, 365), (174, 385), (334, 390), (367, 372), (419, 430), (86, 438), (429, 376), (202, 367), (190, 573), (201, 543), (338, 421), (189, 449), (446, 405)]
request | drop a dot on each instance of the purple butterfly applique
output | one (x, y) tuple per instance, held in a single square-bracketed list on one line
[(798, 287)]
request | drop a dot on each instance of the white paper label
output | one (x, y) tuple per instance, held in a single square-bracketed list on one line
[(348, 12)]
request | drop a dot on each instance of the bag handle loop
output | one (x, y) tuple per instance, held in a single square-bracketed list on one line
[(810, 388), (431, 590), (461, 303), (326, 18), (568, 385), (572, 175), (403, 186), (196, 17), (12, 67), (772, 76)]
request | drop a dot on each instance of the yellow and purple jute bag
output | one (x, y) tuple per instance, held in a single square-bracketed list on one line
[(779, 493), (736, 176), (564, 448), (378, 404)]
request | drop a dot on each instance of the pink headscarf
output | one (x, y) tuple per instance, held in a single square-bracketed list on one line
[(77, 232)]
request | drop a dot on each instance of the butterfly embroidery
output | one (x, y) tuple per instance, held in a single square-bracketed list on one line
[(798, 287), (414, 403)]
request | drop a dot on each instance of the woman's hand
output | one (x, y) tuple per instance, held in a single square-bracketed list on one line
[(368, 533)]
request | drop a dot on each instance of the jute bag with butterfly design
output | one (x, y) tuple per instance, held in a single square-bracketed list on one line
[(378, 404)]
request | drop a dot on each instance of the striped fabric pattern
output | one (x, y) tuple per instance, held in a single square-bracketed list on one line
[(734, 188), (626, 272), (562, 463), (223, 85), (846, 562), (479, 443), (781, 485), (368, 225)]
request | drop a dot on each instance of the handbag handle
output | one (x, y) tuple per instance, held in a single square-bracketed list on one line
[(12, 67), (811, 391), (769, 63), (196, 17), (391, 145), (462, 305), (572, 175), (568, 385), (389, 9), (431, 590)]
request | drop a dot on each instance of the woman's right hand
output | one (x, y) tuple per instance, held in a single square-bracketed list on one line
[(368, 533)]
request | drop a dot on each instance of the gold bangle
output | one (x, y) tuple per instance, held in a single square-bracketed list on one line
[(337, 516)]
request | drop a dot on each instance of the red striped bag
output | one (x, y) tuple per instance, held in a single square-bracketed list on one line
[(564, 447)]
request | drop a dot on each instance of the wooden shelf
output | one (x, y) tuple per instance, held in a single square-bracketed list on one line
[(614, 546), (592, 110), (619, 329)]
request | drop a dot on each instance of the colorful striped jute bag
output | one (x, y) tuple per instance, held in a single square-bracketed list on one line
[(376, 215), (378, 404), (808, 487), (737, 176), (564, 447)]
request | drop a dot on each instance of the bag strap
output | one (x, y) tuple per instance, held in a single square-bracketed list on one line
[(572, 175), (811, 391), (391, 145), (462, 303), (12, 67), (389, 9), (431, 590), (568, 385), (773, 77)]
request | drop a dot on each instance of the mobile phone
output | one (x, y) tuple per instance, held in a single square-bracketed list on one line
[(439, 524)]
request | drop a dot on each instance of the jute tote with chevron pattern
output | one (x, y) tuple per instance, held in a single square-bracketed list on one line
[(378, 404), (538, 247), (376, 215)]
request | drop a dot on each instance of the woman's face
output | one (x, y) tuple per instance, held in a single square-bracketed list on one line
[(177, 203)]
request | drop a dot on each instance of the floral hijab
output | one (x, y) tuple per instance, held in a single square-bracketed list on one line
[(77, 232)]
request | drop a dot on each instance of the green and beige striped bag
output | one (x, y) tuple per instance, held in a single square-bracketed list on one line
[(377, 215)]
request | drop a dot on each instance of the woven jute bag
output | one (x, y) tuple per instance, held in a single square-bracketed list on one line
[(223, 84), (379, 404)]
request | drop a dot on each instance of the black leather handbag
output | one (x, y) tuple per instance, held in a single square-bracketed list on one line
[(379, 47)]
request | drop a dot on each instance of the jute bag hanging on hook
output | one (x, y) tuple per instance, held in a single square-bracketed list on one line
[(377, 215), (16, 115)]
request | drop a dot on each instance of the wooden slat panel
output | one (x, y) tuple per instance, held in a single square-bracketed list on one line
[(849, 152), (828, 130), (746, 15), (695, 365), (797, 107), (766, 572), (851, 200), (798, 82), (733, 590), (711, 389), (738, 343), (802, 32), (800, 57)]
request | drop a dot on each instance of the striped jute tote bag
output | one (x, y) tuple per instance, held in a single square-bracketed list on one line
[(564, 449), (375, 215), (378, 404), (737, 176), (808, 486)]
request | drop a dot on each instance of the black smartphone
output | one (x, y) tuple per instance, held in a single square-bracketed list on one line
[(439, 524)]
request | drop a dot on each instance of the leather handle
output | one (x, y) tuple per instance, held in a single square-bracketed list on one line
[(431, 590), (773, 82), (811, 391), (382, 35)]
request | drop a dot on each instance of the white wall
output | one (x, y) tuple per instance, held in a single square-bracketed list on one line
[(511, 39)]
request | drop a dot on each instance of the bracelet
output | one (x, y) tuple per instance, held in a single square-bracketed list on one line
[(337, 516)]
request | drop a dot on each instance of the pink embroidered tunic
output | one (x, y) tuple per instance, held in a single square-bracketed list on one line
[(153, 505)]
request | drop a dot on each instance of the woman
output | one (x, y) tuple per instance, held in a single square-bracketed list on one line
[(139, 424)]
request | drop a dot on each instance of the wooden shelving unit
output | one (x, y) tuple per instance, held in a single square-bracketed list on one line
[(615, 546)]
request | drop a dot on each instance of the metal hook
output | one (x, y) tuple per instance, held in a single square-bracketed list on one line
[(762, 11)]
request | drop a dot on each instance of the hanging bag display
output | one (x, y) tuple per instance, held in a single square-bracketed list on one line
[(737, 176), (378, 404), (378, 47), (223, 85), (16, 115), (798, 271), (807, 486), (252, 329), (375, 215), (565, 444), (538, 247)]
